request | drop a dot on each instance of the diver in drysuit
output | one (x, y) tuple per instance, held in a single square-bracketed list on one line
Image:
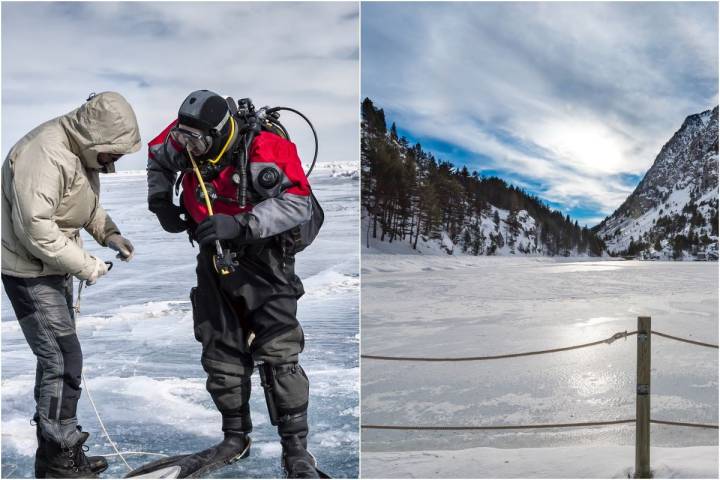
[(244, 312), (50, 190)]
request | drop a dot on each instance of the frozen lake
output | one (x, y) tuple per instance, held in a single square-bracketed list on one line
[(142, 362), (443, 306)]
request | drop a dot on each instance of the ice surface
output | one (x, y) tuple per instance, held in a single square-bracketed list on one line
[(142, 362), (553, 462), (447, 306)]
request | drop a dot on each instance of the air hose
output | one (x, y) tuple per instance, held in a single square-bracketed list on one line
[(219, 258), (307, 120)]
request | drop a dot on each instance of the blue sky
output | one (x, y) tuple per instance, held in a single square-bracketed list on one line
[(570, 101), (301, 55)]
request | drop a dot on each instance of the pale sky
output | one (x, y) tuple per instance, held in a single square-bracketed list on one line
[(571, 101), (301, 55)]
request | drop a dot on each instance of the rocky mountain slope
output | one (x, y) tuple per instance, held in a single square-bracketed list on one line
[(673, 212)]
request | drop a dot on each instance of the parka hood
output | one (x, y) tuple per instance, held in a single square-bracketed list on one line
[(105, 123)]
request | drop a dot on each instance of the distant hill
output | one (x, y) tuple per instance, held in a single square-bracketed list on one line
[(410, 196)]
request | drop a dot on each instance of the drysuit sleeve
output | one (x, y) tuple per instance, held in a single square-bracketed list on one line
[(165, 160), (37, 187), (277, 176)]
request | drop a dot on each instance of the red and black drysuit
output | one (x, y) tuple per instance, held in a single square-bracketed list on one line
[(249, 316)]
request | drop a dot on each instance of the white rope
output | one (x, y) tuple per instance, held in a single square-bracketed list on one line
[(97, 414), (134, 453), (102, 425)]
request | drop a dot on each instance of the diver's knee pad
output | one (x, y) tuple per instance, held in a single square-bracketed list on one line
[(286, 391), (231, 395)]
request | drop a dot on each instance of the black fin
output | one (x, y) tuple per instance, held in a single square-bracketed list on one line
[(197, 465)]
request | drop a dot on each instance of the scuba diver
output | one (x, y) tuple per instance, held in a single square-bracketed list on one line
[(247, 202), (50, 190)]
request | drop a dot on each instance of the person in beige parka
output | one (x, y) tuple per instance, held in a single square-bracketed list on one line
[(50, 191)]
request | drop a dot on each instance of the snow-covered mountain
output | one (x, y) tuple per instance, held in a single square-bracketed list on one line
[(673, 212)]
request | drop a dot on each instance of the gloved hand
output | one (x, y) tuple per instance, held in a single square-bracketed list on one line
[(218, 227), (122, 245), (101, 269), (169, 215)]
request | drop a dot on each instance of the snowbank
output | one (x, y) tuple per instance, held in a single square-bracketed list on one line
[(555, 462)]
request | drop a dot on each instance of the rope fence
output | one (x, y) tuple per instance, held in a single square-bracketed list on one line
[(532, 427), (642, 421), (684, 340), (606, 341)]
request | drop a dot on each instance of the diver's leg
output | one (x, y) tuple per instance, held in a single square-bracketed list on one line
[(278, 342), (219, 329)]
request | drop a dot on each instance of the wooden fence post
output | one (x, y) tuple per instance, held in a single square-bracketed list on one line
[(642, 409)]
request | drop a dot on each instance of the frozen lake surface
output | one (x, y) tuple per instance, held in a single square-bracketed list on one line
[(445, 306), (142, 362)]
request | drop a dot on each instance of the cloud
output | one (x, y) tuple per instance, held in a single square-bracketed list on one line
[(297, 54), (574, 98)]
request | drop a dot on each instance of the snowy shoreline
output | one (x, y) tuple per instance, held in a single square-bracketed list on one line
[(550, 462)]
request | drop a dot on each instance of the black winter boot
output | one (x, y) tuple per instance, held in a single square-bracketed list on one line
[(297, 461), (97, 464), (71, 462)]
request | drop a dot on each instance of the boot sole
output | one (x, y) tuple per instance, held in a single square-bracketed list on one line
[(41, 472)]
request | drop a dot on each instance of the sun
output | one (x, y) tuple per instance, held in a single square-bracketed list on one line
[(583, 145)]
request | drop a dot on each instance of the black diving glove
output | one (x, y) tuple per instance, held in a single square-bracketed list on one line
[(169, 215), (219, 227)]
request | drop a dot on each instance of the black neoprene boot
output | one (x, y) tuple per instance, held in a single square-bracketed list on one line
[(297, 461), (235, 446)]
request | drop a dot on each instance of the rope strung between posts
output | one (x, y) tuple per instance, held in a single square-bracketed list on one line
[(528, 427), (684, 424), (498, 427), (685, 340), (608, 341)]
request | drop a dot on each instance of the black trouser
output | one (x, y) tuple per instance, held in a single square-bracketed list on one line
[(43, 307), (248, 318)]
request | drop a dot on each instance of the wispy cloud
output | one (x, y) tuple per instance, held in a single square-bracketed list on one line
[(572, 100), (303, 55)]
